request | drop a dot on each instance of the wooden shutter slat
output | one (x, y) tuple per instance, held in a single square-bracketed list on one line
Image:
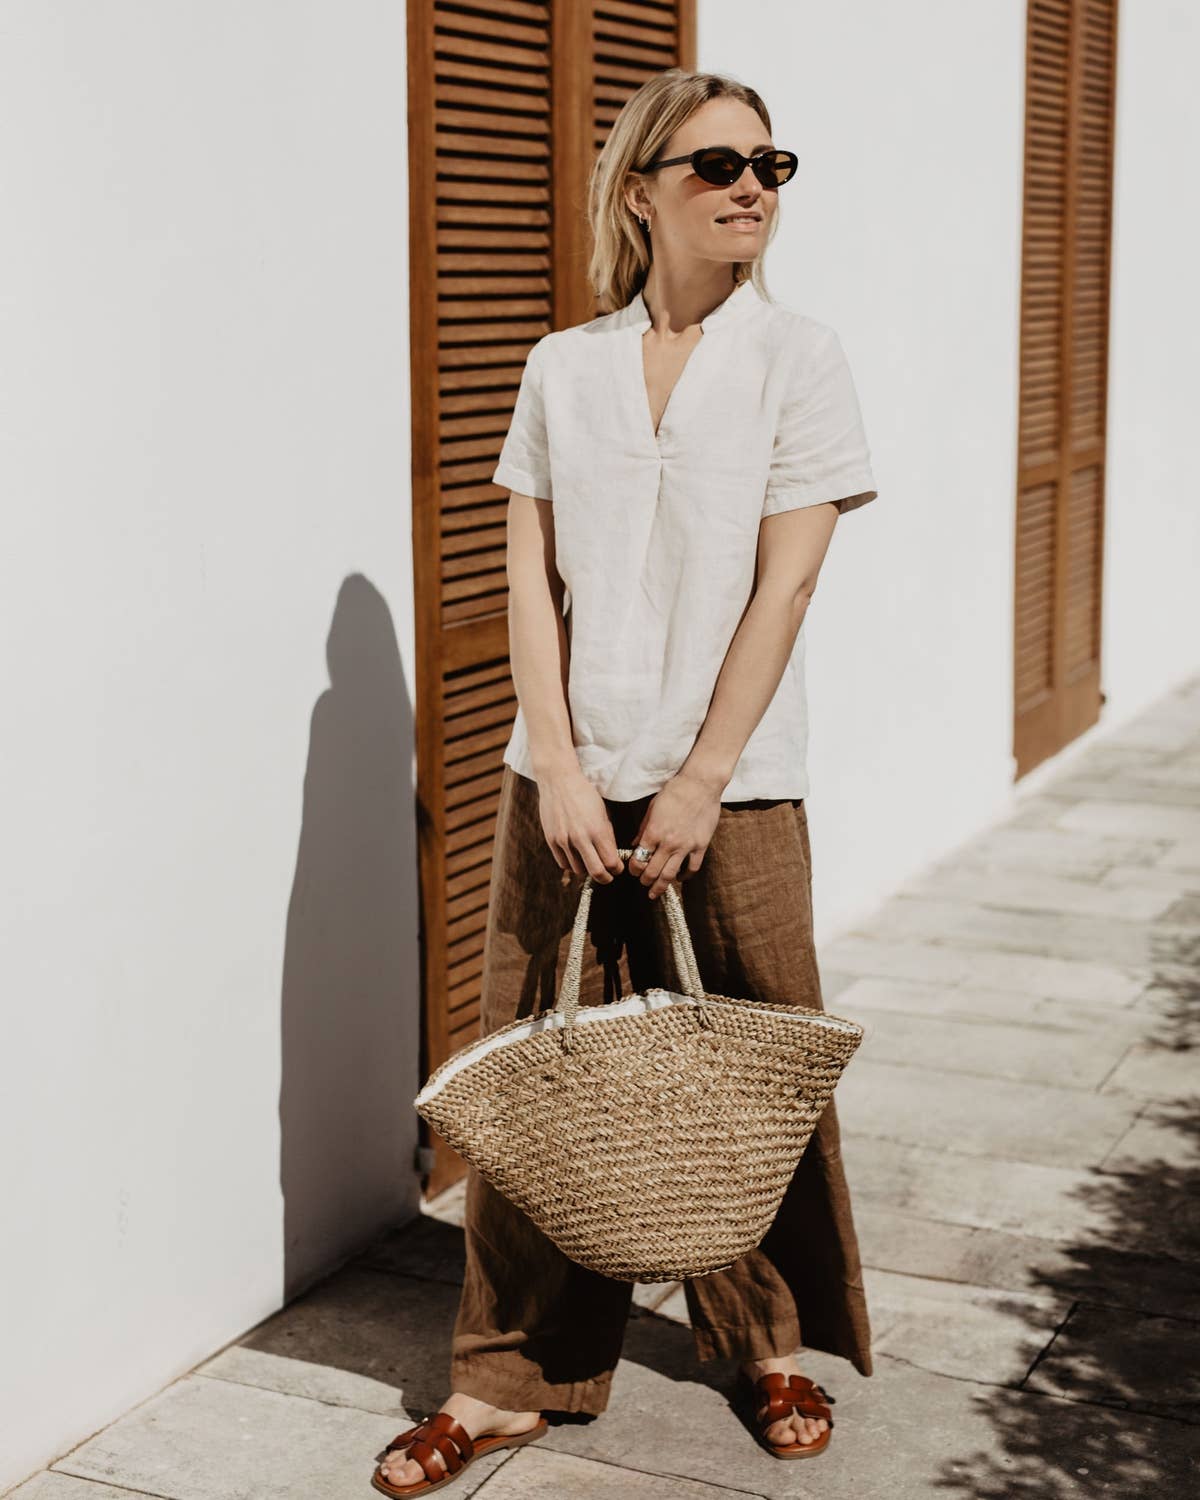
[(1066, 240)]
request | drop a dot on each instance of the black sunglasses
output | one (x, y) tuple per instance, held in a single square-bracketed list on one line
[(722, 165)]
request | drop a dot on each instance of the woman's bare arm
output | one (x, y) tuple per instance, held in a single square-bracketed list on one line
[(791, 548), (574, 818), (537, 633)]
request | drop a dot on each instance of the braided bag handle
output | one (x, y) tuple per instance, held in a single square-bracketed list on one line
[(686, 968)]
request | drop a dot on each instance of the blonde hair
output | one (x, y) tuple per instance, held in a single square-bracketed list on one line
[(621, 255)]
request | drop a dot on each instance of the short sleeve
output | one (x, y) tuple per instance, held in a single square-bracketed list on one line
[(524, 462), (820, 451)]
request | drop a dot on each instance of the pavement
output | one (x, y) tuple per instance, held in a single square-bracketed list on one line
[(1020, 1135)]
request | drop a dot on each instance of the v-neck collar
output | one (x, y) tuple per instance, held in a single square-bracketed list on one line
[(740, 301)]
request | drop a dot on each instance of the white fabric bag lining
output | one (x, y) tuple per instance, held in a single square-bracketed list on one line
[(654, 999)]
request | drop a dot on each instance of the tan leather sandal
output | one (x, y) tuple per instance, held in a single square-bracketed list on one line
[(441, 1433), (782, 1395)]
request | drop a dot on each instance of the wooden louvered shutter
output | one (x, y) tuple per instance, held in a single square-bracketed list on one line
[(1069, 124), (508, 101)]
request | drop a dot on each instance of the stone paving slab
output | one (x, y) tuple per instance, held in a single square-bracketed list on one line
[(1176, 771), (994, 931), (1158, 1372), (1025, 973), (430, 1248), (1182, 854), (1169, 789), (1150, 1213), (536, 1473), (1164, 731), (1185, 912), (360, 1338), (1162, 1138), (863, 998), (1153, 1070), (203, 1439), (920, 962), (1011, 848), (851, 994), (1140, 762), (979, 1116), (1155, 876), (1177, 1006), (954, 1328), (1041, 810), (1021, 1053), (1027, 890), (51, 1486), (1131, 819), (1047, 1202), (1024, 1264)]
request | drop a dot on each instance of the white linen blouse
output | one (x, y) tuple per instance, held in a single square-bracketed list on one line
[(656, 536)]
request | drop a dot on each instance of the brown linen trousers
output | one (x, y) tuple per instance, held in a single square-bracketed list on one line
[(536, 1330)]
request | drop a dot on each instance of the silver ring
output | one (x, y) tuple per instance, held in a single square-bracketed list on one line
[(642, 854)]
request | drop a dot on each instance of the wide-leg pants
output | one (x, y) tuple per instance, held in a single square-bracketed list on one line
[(536, 1330)]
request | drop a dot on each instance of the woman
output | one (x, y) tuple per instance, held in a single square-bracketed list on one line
[(677, 467)]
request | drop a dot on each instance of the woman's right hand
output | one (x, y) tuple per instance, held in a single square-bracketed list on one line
[(577, 827)]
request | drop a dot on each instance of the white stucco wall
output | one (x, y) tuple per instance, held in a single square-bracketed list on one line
[(208, 907), (1152, 537)]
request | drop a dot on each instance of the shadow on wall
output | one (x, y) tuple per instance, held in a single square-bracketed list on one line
[(351, 1003)]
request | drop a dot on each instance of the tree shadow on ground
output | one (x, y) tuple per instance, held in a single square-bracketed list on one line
[(1125, 1357)]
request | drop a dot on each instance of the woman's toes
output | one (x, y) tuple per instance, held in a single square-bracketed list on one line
[(397, 1470), (796, 1429)]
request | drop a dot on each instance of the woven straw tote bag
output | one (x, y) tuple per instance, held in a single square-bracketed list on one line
[(651, 1138)]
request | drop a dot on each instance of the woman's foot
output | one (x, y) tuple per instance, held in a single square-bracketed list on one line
[(477, 1417), (794, 1428)]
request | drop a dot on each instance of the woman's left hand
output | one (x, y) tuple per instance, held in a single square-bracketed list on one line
[(678, 825)]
